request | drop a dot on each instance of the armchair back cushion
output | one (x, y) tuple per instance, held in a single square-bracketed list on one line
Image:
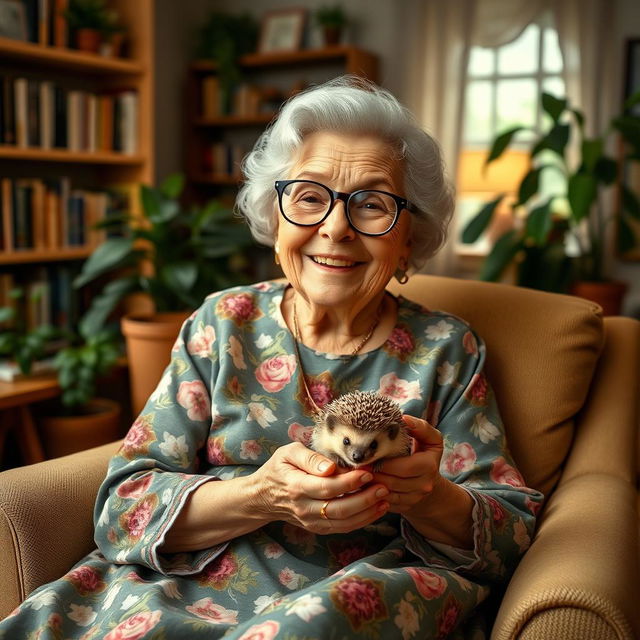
[(542, 351)]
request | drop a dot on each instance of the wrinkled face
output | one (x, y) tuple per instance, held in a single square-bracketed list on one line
[(330, 263)]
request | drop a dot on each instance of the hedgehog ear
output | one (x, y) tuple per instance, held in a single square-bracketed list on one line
[(330, 421), (393, 431)]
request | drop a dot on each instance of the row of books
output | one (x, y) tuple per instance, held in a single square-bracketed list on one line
[(46, 115), (222, 159), (44, 22), (247, 100), (49, 297), (39, 214)]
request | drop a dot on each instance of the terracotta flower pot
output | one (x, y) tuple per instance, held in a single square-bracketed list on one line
[(149, 340), (88, 40), (332, 36), (99, 423), (609, 295)]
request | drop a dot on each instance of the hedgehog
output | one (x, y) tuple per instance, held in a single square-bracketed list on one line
[(360, 428)]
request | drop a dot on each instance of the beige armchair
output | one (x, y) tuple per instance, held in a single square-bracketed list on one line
[(568, 386)]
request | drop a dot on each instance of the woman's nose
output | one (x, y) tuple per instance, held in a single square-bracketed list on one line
[(336, 225)]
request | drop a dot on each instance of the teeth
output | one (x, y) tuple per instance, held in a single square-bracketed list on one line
[(332, 262)]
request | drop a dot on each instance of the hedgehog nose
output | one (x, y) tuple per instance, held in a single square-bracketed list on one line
[(357, 455)]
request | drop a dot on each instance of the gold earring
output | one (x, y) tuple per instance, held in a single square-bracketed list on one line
[(401, 274), (276, 256)]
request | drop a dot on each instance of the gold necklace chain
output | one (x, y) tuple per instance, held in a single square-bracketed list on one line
[(362, 342)]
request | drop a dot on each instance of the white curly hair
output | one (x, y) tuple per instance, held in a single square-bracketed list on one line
[(349, 104)]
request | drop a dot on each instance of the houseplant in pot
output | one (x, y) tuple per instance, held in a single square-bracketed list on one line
[(79, 419), (332, 19), (175, 256), (90, 20), (566, 228)]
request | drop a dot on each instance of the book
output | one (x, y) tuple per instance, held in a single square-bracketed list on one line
[(10, 371), (20, 90)]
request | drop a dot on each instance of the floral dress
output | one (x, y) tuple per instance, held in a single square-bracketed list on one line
[(232, 394)]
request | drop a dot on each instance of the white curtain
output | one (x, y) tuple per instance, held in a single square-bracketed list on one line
[(440, 34)]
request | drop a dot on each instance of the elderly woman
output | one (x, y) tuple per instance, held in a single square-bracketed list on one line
[(215, 518)]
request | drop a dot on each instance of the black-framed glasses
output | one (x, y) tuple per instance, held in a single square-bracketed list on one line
[(370, 212)]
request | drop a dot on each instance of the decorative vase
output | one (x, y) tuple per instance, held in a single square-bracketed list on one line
[(609, 295), (149, 339), (88, 40), (97, 423)]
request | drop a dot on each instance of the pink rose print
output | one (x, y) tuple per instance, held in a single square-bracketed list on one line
[(321, 388), (263, 631), (135, 627), (250, 449), (469, 343), (476, 392), (400, 343), (448, 617), (459, 459), (194, 398), (429, 585), (298, 433), (504, 473), (216, 452), (275, 373), (360, 600), (138, 438), (211, 612), (218, 573), (320, 391), (344, 553), (533, 507), (201, 344), (86, 580), (238, 307), (134, 488), (399, 390), (135, 520), (498, 513), (54, 621), (262, 286)]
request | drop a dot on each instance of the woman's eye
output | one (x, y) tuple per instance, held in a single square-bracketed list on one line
[(346, 442)]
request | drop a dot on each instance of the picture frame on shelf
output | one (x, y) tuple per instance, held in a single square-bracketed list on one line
[(282, 30), (13, 20)]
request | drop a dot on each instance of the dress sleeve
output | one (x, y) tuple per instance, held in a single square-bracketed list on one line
[(477, 458), (156, 468)]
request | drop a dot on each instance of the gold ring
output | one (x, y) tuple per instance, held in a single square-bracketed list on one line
[(323, 511)]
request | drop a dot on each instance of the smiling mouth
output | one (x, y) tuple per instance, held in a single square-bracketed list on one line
[(333, 262)]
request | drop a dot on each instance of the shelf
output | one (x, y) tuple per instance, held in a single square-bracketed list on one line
[(216, 179), (69, 59), (28, 256), (61, 155), (259, 119)]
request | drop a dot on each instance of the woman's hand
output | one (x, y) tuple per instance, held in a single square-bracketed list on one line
[(296, 484), (412, 479)]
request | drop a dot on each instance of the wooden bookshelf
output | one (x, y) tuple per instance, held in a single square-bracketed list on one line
[(205, 132)]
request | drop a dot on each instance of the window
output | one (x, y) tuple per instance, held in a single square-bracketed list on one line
[(503, 89)]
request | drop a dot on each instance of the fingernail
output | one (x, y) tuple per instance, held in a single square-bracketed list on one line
[(381, 492), (323, 466), (366, 477)]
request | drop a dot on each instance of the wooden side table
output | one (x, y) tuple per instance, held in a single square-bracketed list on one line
[(15, 413)]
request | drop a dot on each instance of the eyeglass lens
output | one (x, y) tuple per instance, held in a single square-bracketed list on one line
[(307, 203)]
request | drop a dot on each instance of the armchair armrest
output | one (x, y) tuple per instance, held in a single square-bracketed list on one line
[(579, 578), (46, 520)]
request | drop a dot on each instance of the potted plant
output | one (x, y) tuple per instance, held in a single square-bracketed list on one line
[(79, 419), (332, 19), (24, 348), (224, 38), (89, 19), (565, 231), (173, 255)]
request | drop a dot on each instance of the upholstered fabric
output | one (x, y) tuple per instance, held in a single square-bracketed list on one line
[(567, 425), (541, 353)]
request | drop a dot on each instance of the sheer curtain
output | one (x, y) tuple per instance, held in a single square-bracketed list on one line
[(440, 34)]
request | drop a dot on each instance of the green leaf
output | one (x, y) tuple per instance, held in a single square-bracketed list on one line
[(501, 143), (606, 170), (626, 237), (579, 116), (631, 101), (591, 152), (629, 127), (151, 200), (630, 202), (103, 304), (553, 106), (539, 223), (172, 185), (106, 257), (477, 225), (179, 276), (556, 140), (503, 252), (529, 185), (7, 314), (582, 190)]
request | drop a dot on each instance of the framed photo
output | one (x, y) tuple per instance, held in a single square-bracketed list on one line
[(13, 20), (281, 30)]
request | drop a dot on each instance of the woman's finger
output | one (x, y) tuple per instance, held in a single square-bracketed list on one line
[(420, 430)]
